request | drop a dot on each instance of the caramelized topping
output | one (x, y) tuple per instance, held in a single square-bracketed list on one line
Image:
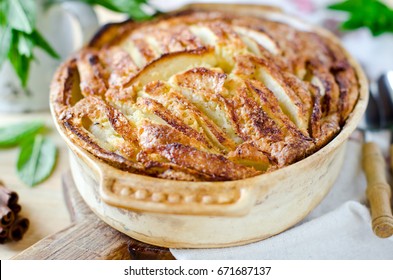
[(205, 96)]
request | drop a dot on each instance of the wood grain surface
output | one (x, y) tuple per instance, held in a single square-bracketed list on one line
[(88, 238)]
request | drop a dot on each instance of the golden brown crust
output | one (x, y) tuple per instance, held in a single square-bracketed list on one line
[(205, 95)]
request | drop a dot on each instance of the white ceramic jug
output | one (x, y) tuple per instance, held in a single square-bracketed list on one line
[(66, 26)]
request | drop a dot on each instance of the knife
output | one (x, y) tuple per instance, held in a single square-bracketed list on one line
[(379, 111)]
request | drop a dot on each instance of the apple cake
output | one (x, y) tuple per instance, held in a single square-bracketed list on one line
[(205, 94)]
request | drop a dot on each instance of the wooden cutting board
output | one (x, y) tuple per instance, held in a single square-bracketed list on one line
[(89, 238)]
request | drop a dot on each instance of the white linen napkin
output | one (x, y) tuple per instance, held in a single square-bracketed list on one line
[(339, 228)]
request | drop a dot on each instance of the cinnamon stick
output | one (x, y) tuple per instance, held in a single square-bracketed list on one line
[(12, 226), (7, 197), (18, 229), (4, 235), (3, 232), (7, 216), (16, 208)]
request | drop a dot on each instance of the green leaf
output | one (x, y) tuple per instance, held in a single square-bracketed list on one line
[(21, 52), (40, 41), (3, 12), (347, 6), (19, 37), (371, 14), (20, 62), (131, 7), (25, 44), (5, 42), (22, 15), (353, 23), (14, 134), (37, 159)]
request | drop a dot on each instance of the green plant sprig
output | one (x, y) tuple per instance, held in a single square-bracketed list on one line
[(133, 8), (19, 36), (37, 152), (371, 14)]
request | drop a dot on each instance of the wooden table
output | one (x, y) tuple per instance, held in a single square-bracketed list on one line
[(43, 204)]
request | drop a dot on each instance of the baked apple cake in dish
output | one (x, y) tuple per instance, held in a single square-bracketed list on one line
[(205, 95), (210, 126)]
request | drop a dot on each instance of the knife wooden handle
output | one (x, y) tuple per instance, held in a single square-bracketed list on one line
[(378, 190), (391, 157)]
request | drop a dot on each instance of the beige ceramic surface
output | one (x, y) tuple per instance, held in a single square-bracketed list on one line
[(281, 199), (180, 214)]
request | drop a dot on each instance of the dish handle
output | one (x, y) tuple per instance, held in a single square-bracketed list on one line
[(148, 194)]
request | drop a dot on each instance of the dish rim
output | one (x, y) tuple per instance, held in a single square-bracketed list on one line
[(350, 125)]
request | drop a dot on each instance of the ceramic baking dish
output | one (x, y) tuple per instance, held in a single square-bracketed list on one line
[(180, 214)]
